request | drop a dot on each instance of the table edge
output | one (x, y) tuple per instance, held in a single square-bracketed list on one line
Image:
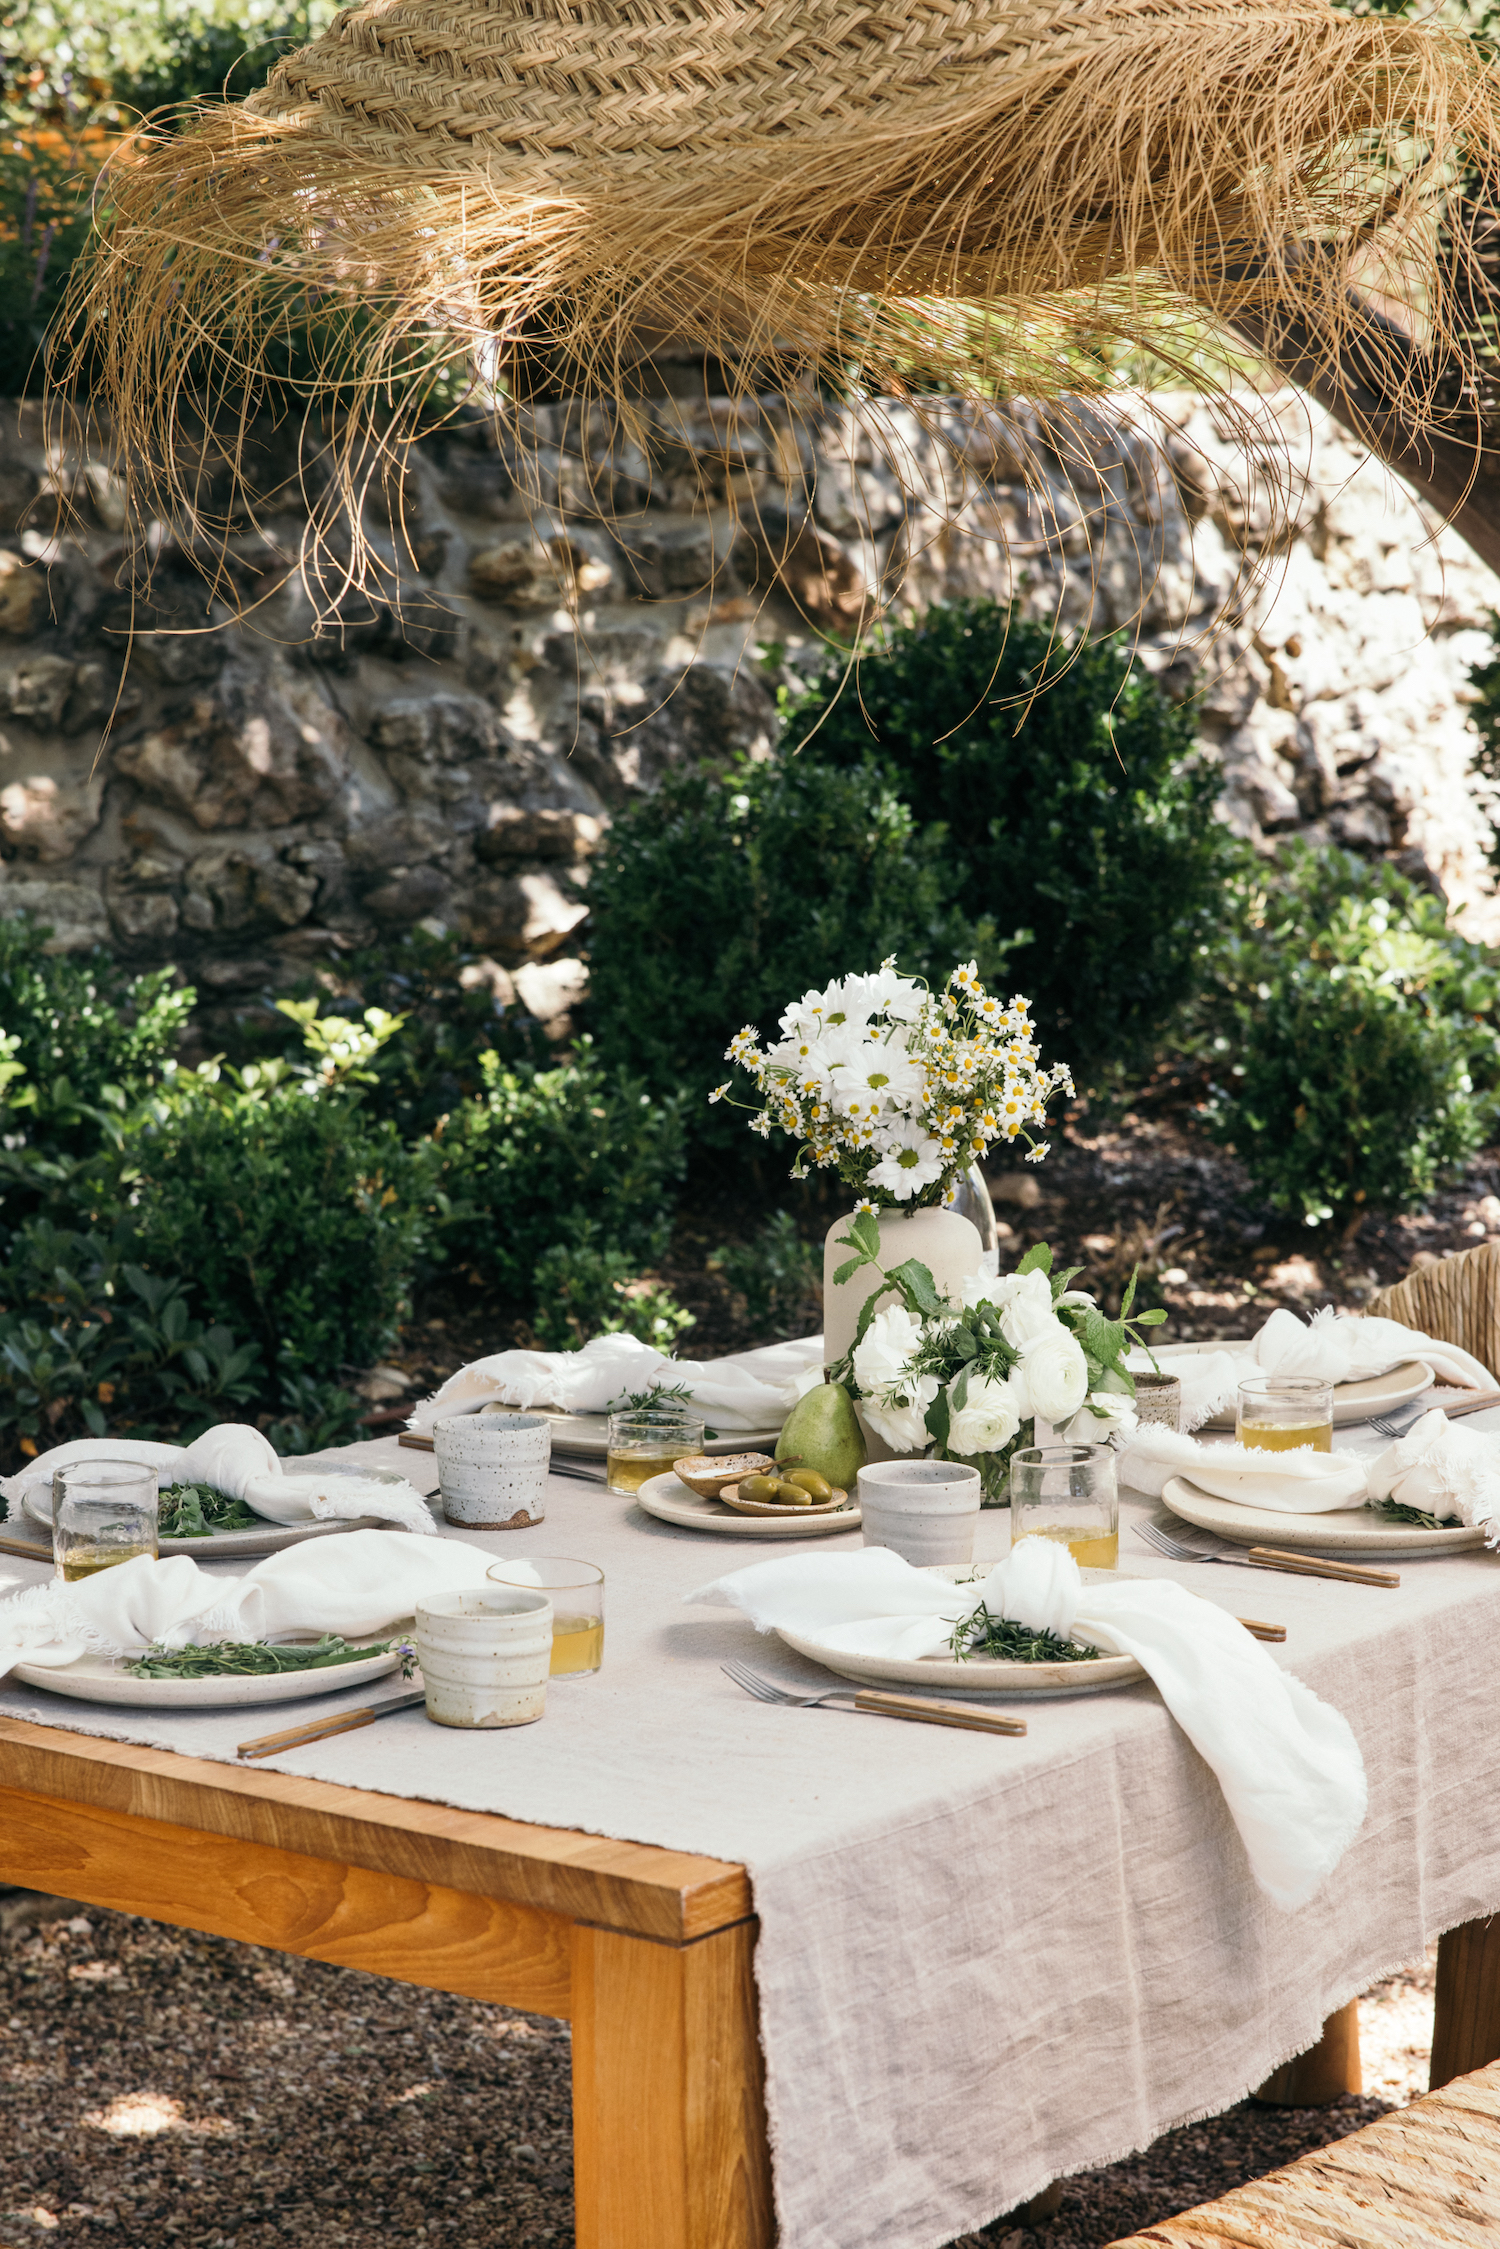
[(643, 1888)]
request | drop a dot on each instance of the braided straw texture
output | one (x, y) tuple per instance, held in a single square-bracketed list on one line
[(804, 188), (1425, 2177), (1455, 1301)]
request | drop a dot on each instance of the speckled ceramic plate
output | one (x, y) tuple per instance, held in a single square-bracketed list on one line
[(1352, 1401), (270, 1538), (1344, 1530), (97, 1679), (671, 1502), (983, 1675)]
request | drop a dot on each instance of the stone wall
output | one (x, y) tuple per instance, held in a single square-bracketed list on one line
[(572, 622)]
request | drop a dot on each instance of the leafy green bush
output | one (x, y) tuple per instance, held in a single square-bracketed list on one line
[(1080, 817), (299, 1219), (777, 1273), (545, 1153), (90, 1342), (1356, 1037), (582, 1290), (724, 896)]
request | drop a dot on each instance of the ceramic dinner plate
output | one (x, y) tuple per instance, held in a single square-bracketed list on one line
[(588, 1433), (224, 1546), (1352, 1401), (1345, 1530), (98, 1679), (671, 1502), (982, 1676)]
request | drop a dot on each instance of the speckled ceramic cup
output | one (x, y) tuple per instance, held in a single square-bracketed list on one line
[(492, 1469), (485, 1655), (924, 1510)]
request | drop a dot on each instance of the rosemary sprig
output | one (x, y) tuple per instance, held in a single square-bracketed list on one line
[(1413, 1517), (980, 1634), (198, 1510), (258, 1659), (659, 1403)]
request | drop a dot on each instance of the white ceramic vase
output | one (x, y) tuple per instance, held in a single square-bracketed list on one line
[(485, 1656), (949, 1246)]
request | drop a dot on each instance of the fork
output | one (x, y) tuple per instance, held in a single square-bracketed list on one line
[(1400, 1419), (920, 1707), (1260, 1558)]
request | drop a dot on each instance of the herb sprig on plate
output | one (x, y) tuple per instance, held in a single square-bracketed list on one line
[(1412, 1517), (198, 1510), (998, 1637), (260, 1659)]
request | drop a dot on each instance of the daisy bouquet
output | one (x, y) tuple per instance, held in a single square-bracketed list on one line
[(897, 1088), (968, 1381)]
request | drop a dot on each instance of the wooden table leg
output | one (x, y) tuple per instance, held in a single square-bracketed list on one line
[(1324, 2072), (669, 2127), (1466, 2026)]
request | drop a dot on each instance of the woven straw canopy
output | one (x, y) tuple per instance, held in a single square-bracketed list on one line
[(802, 187)]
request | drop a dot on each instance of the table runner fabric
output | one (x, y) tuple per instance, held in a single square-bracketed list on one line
[(983, 1962)]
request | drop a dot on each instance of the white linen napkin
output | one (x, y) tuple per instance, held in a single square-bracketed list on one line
[(237, 1459), (1289, 1765), (352, 1585), (1343, 1347), (1302, 1482), (747, 1390), (1446, 1471)]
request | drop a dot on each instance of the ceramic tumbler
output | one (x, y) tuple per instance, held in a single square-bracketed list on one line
[(485, 1655), (492, 1468), (923, 1510)]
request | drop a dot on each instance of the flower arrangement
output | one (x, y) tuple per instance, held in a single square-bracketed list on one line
[(897, 1088), (967, 1380)]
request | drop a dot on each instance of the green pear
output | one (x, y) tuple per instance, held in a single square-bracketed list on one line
[(823, 1432)]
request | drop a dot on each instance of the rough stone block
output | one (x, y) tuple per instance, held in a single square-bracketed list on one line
[(47, 819), (512, 833)]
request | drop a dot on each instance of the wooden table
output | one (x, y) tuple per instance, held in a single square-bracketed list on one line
[(646, 1952)]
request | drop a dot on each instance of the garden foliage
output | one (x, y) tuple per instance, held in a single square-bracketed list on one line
[(1356, 1045), (1073, 807), (724, 893)]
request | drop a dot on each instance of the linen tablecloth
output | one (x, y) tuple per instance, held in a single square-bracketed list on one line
[(983, 1962)]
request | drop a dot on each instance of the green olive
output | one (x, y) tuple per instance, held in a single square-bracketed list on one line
[(811, 1482), (762, 1489), (793, 1495)]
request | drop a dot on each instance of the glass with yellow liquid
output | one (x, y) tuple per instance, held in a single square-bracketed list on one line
[(643, 1445), (576, 1591), (103, 1513), (1067, 1493), (1285, 1413)]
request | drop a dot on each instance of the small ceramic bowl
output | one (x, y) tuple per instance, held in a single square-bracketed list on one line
[(707, 1477), (730, 1497)]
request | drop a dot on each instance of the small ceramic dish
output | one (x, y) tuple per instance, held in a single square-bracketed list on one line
[(730, 1497), (708, 1477)]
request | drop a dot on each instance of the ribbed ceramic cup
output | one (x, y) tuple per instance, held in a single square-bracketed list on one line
[(492, 1468), (923, 1510), (485, 1655)]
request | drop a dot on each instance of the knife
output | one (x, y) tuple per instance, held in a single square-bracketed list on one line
[(318, 1729)]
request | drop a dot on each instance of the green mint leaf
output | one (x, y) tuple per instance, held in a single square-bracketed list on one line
[(917, 1286), (1038, 1259)]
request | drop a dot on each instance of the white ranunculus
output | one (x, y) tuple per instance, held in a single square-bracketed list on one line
[(1025, 1301), (880, 1360), (1057, 1374), (1087, 1428), (988, 1418), (904, 1428)]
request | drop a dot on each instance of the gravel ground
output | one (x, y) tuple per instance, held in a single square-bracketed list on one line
[(162, 2088)]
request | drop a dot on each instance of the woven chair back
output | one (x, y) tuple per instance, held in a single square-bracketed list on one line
[(1454, 1301)]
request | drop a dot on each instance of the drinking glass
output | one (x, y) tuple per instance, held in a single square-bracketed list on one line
[(103, 1512), (642, 1445), (1279, 1412), (576, 1591), (1067, 1493)]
